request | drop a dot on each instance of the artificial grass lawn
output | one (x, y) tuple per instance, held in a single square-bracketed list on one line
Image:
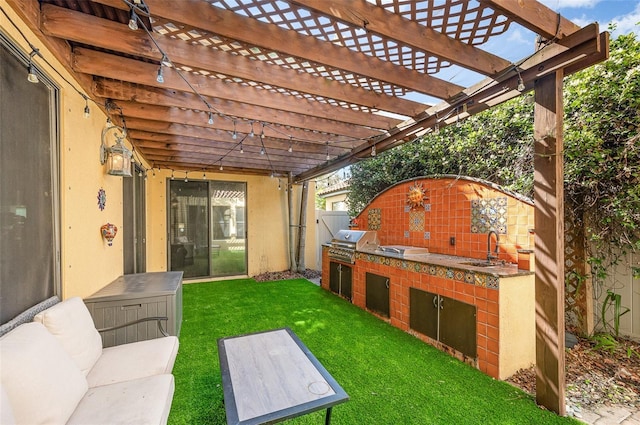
[(390, 376)]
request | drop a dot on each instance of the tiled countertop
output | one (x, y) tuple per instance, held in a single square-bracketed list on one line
[(452, 261)]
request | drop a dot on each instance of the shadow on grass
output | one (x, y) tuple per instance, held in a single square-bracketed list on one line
[(390, 376)]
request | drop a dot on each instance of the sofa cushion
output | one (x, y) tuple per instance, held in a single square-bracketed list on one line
[(6, 411), (141, 401), (134, 360), (42, 382), (71, 323)]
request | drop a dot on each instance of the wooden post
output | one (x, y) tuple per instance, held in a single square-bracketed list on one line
[(549, 242)]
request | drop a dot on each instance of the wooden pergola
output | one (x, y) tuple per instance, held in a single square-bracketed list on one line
[(299, 88)]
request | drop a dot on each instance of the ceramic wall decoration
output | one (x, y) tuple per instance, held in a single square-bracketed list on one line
[(108, 232)]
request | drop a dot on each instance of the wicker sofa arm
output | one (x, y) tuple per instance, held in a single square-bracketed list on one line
[(158, 319)]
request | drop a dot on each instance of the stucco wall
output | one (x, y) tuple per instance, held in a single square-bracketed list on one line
[(87, 263), (267, 221)]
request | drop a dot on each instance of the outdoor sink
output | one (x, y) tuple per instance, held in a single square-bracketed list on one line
[(403, 250), (480, 264)]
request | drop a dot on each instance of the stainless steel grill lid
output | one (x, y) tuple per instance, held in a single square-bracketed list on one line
[(346, 242)]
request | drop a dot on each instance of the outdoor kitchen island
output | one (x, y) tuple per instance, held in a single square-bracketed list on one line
[(483, 315)]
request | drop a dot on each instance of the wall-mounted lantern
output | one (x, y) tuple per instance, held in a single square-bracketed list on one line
[(117, 156)]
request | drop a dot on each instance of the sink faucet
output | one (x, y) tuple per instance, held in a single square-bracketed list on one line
[(489, 256)]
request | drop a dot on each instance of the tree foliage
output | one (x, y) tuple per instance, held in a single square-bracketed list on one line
[(601, 149)]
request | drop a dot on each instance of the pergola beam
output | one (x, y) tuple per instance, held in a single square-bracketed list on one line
[(228, 24), (379, 21)]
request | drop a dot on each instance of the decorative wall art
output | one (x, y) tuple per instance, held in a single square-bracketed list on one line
[(416, 196), (102, 199)]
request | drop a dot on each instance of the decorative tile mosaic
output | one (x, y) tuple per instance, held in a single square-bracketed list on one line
[(374, 218), (427, 207), (469, 277), (416, 221), (493, 282), (489, 214), (427, 235), (481, 280), (407, 208), (406, 234)]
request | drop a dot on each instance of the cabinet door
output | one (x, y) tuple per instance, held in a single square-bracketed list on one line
[(378, 293), (345, 282), (423, 313), (334, 277), (458, 326)]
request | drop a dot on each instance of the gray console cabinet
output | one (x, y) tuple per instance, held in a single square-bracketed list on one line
[(136, 296)]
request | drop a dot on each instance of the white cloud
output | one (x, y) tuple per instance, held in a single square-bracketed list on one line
[(569, 4), (628, 23)]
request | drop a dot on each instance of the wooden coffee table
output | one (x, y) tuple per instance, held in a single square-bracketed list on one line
[(272, 376)]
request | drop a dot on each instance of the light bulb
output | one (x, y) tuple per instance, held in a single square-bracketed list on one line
[(87, 111), (521, 86), (221, 167), (32, 77), (165, 60), (262, 151), (160, 77), (373, 150), (133, 20), (210, 118), (241, 150)]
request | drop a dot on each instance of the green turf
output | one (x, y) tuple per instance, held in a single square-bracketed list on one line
[(391, 377)]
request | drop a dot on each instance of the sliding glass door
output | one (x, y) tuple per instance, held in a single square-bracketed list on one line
[(207, 236)]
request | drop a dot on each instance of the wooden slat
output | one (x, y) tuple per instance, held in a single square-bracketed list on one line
[(71, 25), (549, 243), (392, 26), (130, 70), (536, 17), (163, 130), (189, 117), (200, 14), (155, 96)]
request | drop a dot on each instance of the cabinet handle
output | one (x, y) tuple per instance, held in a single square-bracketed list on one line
[(435, 301), (130, 306), (386, 283), (441, 303)]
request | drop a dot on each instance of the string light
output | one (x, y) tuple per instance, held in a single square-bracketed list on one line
[(251, 134), (290, 145), (373, 150), (31, 76), (210, 118), (160, 76), (221, 167), (172, 174), (241, 149), (521, 87), (279, 185), (234, 136), (133, 20), (186, 176), (328, 157), (204, 174), (87, 111), (262, 132), (262, 152)]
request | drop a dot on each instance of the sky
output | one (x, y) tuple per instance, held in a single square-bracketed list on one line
[(518, 42)]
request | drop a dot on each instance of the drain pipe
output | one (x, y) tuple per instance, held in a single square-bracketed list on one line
[(302, 227), (292, 247)]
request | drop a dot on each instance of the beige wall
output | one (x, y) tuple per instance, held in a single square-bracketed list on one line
[(517, 324), (87, 263), (267, 221)]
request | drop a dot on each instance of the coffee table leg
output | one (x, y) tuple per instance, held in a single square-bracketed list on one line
[(327, 419)]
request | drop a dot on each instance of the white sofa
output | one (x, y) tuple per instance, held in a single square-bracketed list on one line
[(55, 371)]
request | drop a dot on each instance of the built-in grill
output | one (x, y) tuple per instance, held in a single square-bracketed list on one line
[(346, 242)]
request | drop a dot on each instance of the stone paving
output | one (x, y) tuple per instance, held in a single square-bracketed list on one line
[(608, 415)]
